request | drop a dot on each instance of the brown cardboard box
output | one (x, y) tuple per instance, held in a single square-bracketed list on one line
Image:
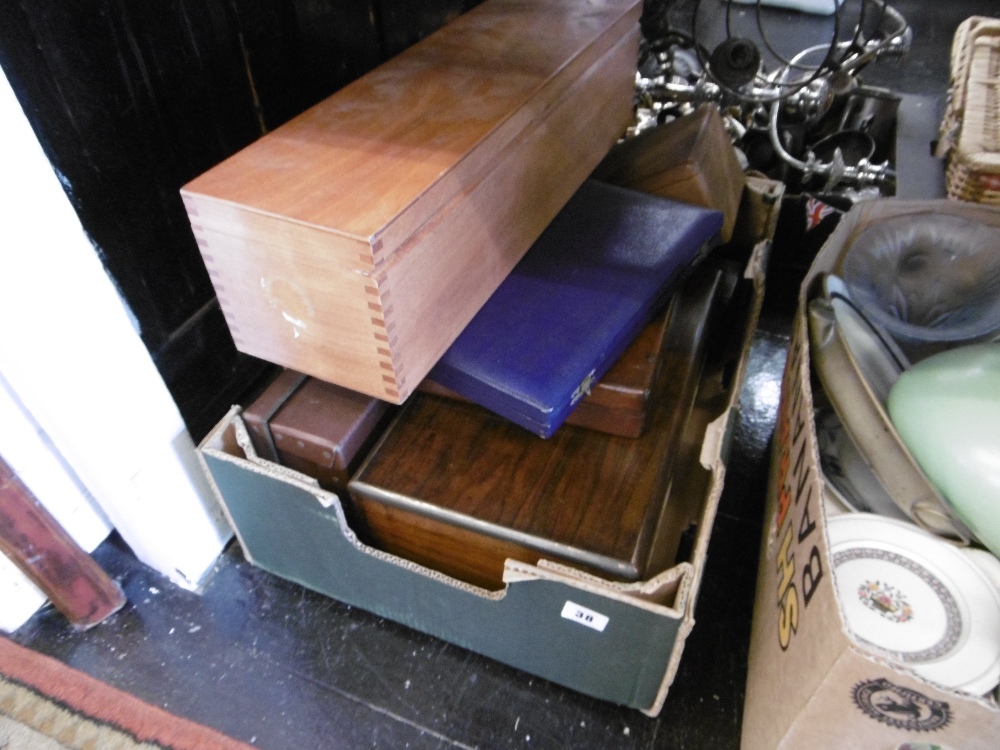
[(810, 685), (618, 642)]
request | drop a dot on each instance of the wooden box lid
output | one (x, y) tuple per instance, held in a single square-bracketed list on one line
[(690, 159), (376, 159)]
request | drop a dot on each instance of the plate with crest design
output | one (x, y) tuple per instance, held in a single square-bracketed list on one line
[(917, 600)]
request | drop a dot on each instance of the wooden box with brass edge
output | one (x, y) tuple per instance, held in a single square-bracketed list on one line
[(459, 489)]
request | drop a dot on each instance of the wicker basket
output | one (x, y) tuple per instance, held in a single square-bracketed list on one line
[(970, 129)]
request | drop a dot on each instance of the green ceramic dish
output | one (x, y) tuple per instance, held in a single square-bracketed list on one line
[(946, 410)]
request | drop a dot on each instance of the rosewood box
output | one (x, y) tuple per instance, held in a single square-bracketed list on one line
[(459, 489)]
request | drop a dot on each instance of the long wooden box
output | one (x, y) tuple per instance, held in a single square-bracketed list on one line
[(356, 241)]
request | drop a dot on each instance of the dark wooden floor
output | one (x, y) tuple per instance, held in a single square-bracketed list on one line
[(271, 663)]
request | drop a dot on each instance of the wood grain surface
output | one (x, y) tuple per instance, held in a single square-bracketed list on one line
[(34, 541), (457, 488), (355, 242), (396, 144), (691, 160)]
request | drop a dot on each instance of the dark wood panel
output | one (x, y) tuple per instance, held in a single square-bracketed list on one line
[(35, 542), (116, 101), (336, 42), (205, 374), (406, 22)]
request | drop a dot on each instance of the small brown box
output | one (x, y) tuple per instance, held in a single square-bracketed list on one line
[(458, 489), (622, 401), (315, 427), (690, 160)]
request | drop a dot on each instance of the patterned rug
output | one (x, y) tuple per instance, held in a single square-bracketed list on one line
[(45, 705)]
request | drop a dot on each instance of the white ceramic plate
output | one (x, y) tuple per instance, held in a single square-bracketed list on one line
[(917, 600)]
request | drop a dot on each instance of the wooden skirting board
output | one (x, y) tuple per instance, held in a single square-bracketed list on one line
[(35, 542), (355, 242)]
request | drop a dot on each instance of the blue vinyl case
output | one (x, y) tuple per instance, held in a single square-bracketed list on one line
[(577, 299)]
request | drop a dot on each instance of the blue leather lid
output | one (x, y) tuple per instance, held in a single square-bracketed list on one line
[(574, 303)]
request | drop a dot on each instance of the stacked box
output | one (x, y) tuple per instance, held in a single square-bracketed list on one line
[(810, 685), (617, 641), (355, 242)]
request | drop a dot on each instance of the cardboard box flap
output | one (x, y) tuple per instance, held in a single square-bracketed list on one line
[(668, 591)]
